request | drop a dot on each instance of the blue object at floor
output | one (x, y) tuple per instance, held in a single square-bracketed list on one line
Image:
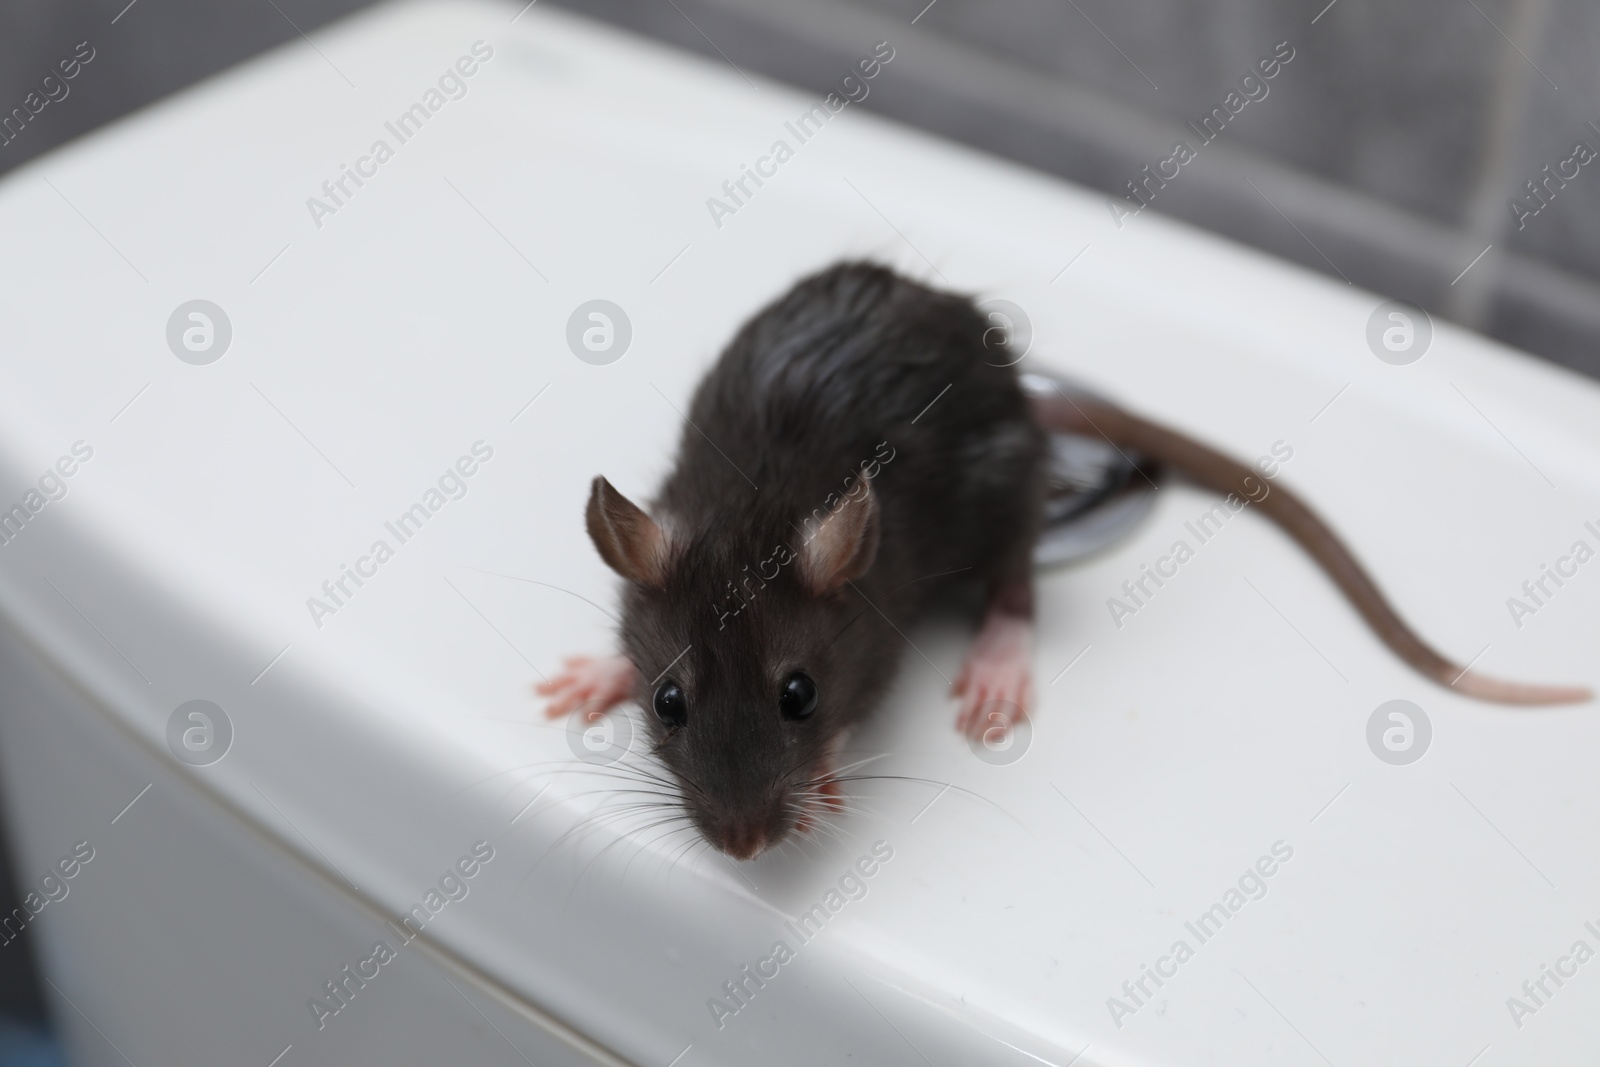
[(22, 1046)]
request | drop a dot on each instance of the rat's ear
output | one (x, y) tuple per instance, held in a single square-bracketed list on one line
[(627, 539), (843, 547)]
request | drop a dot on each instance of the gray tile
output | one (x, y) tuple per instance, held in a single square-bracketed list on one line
[(1567, 231), (1523, 316), (155, 47), (1383, 154), (1387, 113), (1386, 98)]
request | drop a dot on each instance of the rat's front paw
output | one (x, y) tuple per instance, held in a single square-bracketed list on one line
[(601, 684), (996, 682)]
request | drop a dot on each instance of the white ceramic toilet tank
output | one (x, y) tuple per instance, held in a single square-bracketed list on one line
[(292, 468)]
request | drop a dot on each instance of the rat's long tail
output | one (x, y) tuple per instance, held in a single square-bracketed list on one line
[(1215, 471)]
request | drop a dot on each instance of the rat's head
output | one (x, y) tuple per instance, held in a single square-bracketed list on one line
[(745, 678)]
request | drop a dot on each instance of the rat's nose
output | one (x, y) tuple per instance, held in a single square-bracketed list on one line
[(742, 840)]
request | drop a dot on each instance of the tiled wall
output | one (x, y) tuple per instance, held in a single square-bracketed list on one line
[(1386, 152)]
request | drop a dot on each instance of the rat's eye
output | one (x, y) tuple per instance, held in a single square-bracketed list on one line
[(671, 705), (799, 697)]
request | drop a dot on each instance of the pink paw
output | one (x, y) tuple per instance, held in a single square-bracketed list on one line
[(601, 684), (996, 682)]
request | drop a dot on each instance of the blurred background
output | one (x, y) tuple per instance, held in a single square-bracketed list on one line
[(1435, 151)]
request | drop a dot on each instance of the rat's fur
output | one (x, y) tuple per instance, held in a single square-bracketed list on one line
[(768, 553), (802, 398)]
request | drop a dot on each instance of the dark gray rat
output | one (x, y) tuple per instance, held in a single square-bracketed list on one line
[(861, 443)]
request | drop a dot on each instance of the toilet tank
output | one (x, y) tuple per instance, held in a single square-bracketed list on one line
[(305, 374)]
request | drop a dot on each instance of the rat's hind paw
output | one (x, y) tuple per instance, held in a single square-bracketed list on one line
[(996, 682), (601, 684)]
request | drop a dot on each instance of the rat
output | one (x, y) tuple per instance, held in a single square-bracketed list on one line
[(861, 445)]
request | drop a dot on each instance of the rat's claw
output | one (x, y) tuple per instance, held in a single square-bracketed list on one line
[(996, 682), (985, 710), (564, 679), (602, 684)]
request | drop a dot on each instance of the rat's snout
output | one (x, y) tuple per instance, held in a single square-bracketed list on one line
[(742, 839), (745, 831)]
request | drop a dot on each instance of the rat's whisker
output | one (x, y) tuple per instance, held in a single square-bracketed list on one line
[(858, 763), (951, 786)]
